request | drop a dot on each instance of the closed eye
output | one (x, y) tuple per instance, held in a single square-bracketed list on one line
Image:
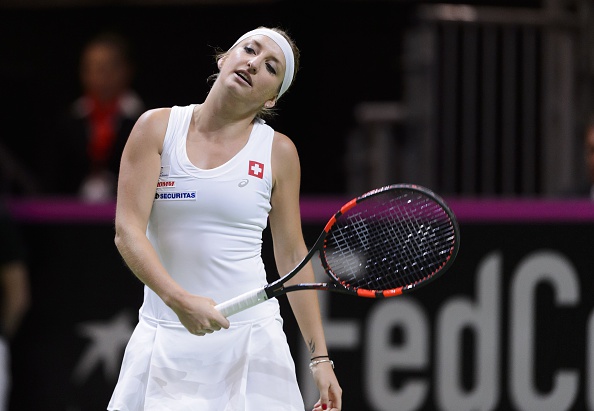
[(269, 67)]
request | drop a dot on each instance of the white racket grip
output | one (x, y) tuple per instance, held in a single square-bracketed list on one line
[(242, 302)]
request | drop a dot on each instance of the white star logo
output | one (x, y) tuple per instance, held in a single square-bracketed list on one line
[(108, 340)]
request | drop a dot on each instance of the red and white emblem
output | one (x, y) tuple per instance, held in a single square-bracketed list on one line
[(256, 169)]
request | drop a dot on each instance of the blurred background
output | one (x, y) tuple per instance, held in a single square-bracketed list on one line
[(485, 102), (481, 98)]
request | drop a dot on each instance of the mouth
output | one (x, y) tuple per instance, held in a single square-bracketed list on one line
[(244, 76)]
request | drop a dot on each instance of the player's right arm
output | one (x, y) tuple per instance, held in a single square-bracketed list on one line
[(137, 182)]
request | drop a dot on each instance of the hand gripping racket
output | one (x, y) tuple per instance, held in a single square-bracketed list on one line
[(386, 242)]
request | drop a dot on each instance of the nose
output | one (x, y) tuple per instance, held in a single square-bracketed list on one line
[(252, 67)]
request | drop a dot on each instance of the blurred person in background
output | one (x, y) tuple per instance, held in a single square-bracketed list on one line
[(91, 135), (14, 295)]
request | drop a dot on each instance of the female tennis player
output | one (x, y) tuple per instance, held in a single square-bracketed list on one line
[(198, 184)]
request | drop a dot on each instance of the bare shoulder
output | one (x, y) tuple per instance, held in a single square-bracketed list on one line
[(286, 165), (151, 127), (283, 148), (156, 118)]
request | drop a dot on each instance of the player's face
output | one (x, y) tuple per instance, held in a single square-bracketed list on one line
[(255, 66)]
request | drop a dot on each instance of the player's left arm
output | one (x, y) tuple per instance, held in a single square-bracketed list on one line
[(289, 249)]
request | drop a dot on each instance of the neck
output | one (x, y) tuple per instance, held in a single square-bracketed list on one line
[(217, 112)]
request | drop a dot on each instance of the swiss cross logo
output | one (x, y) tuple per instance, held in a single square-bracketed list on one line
[(256, 169)]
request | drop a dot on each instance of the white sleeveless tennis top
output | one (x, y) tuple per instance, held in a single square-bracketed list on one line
[(206, 225)]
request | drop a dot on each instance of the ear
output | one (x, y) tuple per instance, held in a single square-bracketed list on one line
[(270, 103), (220, 62)]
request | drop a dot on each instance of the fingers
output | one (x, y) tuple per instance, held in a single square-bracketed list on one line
[(202, 332), (326, 406), (200, 317), (221, 320), (336, 395), (214, 326), (324, 400), (330, 398), (205, 330)]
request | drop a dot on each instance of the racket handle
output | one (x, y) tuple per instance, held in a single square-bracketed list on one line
[(242, 302)]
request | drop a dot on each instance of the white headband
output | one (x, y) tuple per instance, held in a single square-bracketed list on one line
[(285, 47)]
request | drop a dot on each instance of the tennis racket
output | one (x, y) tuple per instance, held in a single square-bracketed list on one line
[(386, 242)]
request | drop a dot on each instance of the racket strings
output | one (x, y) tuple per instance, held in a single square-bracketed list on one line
[(390, 240)]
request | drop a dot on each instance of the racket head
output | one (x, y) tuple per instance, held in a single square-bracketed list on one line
[(390, 241)]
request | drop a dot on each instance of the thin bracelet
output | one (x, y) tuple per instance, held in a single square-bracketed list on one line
[(314, 363), (319, 356)]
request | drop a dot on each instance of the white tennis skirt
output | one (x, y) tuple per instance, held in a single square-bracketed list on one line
[(247, 367)]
